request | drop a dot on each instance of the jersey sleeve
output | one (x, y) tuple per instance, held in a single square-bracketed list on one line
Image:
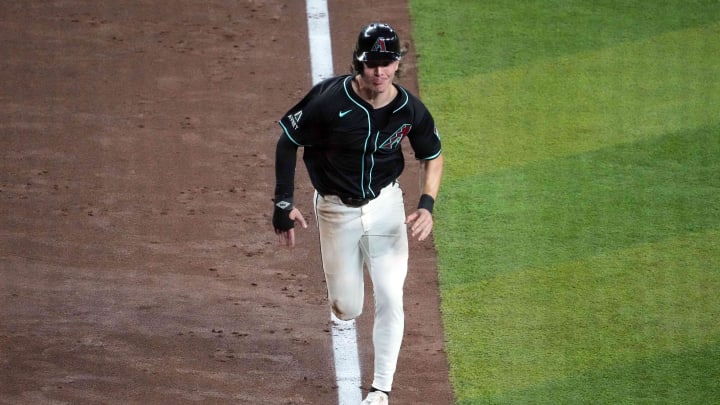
[(301, 123), (424, 138)]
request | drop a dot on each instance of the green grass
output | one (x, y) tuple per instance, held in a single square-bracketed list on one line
[(524, 331), (580, 102), (581, 205), (460, 38), (578, 228), (688, 377)]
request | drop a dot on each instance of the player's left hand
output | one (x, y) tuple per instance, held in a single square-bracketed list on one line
[(421, 224)]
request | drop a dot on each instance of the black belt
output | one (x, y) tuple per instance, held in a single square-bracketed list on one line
[(354, 202)]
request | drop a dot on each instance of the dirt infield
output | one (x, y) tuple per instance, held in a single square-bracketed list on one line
[(137, 261)]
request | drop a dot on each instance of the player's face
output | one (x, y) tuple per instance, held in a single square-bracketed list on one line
[(379, 75)]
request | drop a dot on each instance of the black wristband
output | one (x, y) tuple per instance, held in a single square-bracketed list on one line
[(281, 214), (426, 202)]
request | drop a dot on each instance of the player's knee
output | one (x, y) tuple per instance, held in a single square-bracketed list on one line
[(345, 312)]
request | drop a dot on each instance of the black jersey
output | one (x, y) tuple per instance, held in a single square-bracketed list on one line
[(352, 149)]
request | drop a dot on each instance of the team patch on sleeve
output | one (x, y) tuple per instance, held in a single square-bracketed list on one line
[(295, 119)]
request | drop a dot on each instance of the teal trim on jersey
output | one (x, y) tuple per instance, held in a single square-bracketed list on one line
[(362, 163), (372, 160), (407, 98), (288, 134), (433, 156)]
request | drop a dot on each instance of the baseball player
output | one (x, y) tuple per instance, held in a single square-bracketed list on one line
[(351, 128)]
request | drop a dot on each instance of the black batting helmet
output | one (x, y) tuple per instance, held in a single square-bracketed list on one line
[(376, 42)]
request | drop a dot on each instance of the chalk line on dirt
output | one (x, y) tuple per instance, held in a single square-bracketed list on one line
[(344, 334)]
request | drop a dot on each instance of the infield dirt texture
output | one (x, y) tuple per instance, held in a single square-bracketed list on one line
[(137, 260)]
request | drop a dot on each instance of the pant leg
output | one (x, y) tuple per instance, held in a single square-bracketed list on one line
[(386, 247), (340, 230)]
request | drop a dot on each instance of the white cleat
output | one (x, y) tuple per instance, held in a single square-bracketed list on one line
[(376, 398)]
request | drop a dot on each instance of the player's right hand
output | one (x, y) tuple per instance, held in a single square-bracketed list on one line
[(286, 233)]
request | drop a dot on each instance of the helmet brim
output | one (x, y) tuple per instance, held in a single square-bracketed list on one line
[(378, 56)]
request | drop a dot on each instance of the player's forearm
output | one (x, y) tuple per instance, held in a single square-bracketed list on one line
[(285, 161), (430, 176)]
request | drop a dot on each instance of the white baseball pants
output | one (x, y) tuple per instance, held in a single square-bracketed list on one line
[(375, 236)]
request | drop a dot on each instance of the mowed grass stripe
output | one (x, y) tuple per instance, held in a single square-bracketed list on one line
[(580, 206), (579, 103), (578, 224), (528, 331), (464, 38), (677, 377)]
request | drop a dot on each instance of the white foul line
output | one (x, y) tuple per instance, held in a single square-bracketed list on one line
[(344, 335), (319, 35), (347, 364)]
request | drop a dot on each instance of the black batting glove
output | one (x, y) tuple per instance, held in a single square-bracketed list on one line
[(281, 214)]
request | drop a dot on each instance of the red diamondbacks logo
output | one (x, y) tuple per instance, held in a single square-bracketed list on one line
[(395, 138), (379, 46)]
